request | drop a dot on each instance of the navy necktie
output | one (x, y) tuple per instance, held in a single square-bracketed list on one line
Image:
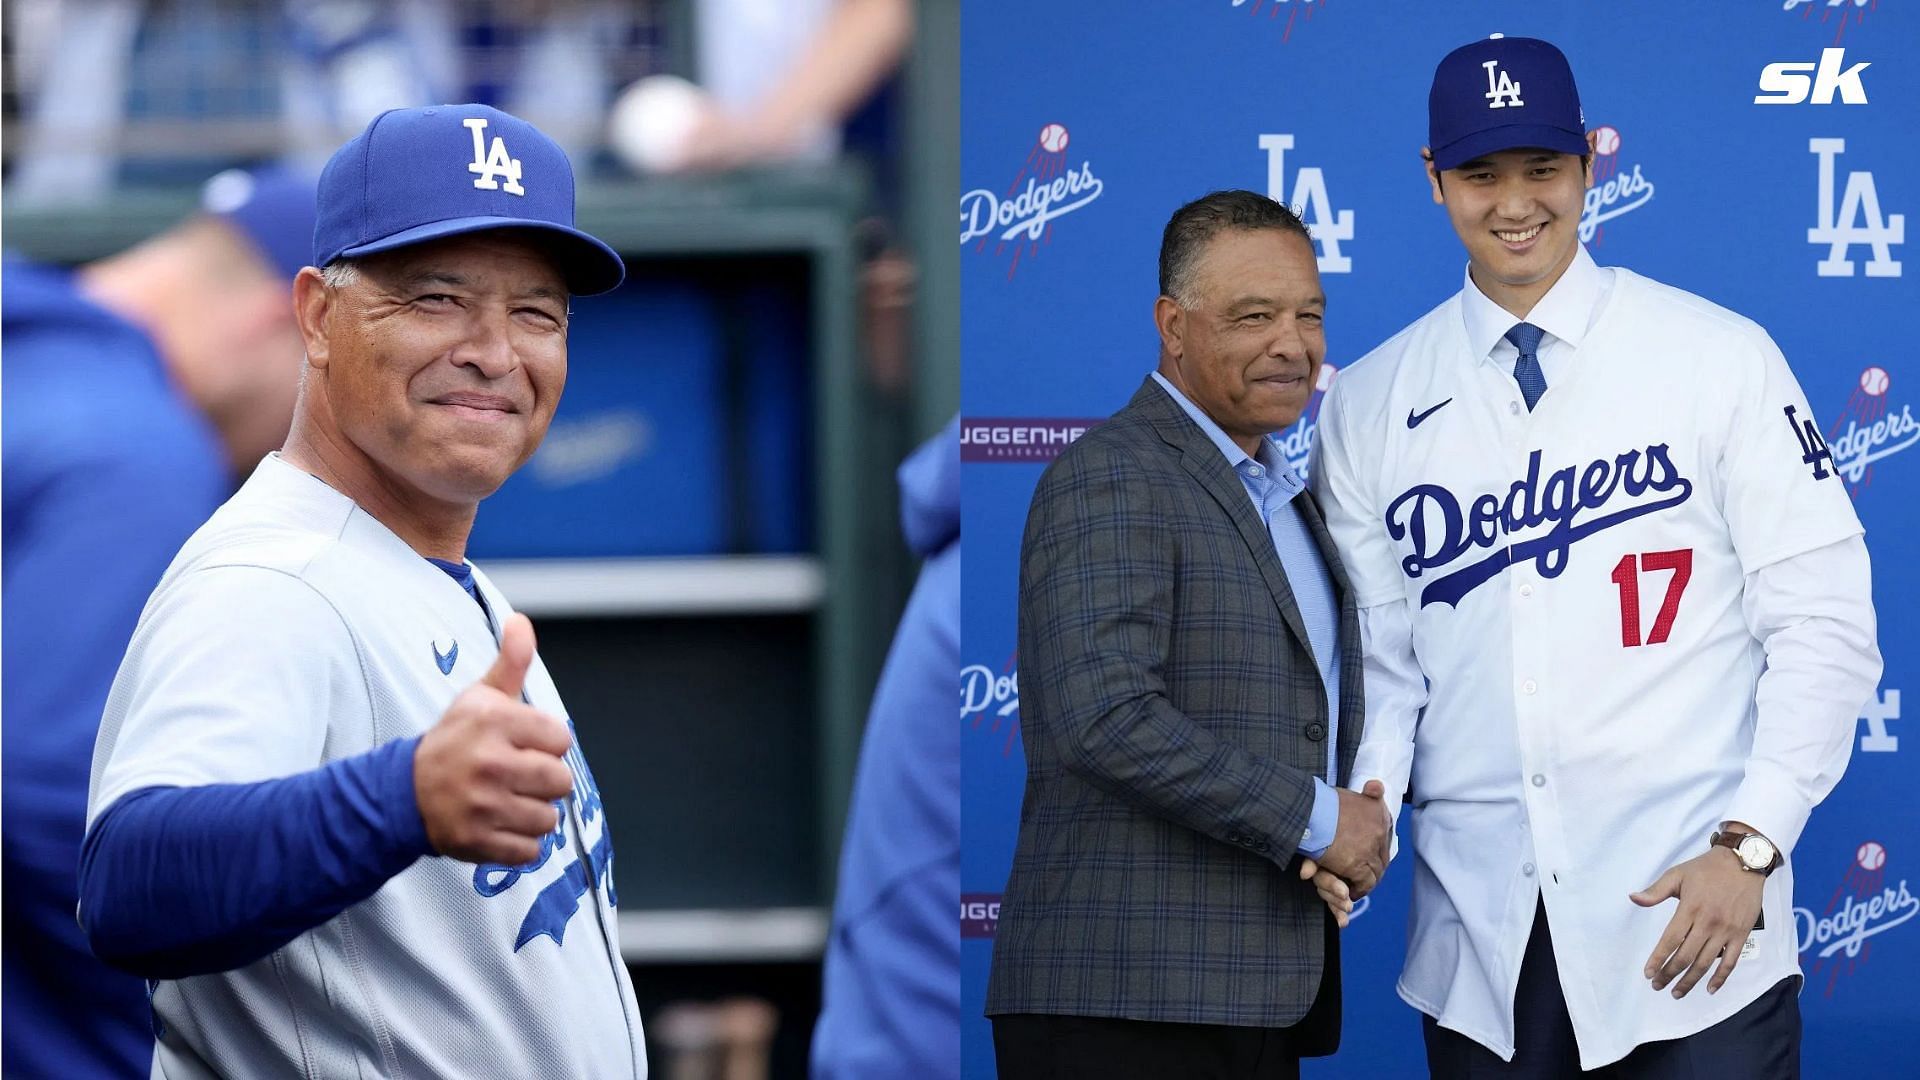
[(1526, 370)]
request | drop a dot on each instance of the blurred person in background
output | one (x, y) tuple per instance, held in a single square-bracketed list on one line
[(783, 82), (780, 79), (137, 389), (892, 993)]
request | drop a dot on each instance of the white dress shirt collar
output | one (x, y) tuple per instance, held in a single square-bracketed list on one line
[(1566, 312)]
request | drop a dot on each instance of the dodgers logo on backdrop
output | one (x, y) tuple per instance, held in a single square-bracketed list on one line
[(1838, 12), (494, 163), (1018, 439), (1295, 9), (1614, 191), (1857, 221), (1024, 216), (1871, 428), (1569, 502), (1876, 739), (988, 694), (1296, 442), (1864, 906), (1327, 226)]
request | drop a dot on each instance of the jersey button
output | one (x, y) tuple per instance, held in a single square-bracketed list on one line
[(1527, 869), (1539, 780), (1526, 590), (1529, 686)]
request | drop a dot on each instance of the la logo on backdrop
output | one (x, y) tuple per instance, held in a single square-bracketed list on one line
[(1047, 187), (1329, 227), (1855, 221)]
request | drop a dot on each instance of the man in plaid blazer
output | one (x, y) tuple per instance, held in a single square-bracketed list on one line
[(1191, 700)]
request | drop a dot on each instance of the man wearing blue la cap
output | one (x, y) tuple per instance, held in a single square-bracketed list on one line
[(1617, 619), (337, 816), (138, 387)]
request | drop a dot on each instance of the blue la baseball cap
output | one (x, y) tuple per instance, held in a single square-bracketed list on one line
[(272, 206), (1503, 94), (424, 173)]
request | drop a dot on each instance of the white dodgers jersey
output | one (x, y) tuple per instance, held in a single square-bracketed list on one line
[(1574, 580), (294, 630)]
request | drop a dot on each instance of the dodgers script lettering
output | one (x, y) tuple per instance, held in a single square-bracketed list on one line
[(1442, 531)]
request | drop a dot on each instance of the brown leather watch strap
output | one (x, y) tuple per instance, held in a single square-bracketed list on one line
[(1730, 840)]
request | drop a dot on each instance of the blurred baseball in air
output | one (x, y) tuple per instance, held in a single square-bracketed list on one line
[(651, 120)]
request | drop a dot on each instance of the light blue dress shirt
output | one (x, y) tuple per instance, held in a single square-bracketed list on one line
[(1272, 484)]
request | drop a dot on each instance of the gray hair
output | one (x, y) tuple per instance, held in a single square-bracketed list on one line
[(1198, 222), (340, 273)]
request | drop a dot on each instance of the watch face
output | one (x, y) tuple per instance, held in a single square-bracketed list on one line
[(1756, 852)]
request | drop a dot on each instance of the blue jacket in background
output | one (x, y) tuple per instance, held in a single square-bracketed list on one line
[(107, 470), (892, 993)]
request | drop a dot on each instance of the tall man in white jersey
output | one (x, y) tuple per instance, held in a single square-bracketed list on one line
[(337, 815), (1616, 620)]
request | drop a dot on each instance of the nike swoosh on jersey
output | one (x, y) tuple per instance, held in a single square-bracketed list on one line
[(445, 660), (1415, 419)]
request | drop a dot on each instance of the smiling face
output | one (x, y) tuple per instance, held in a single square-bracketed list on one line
[(1518, 213), (436, 372), (1246, 344)]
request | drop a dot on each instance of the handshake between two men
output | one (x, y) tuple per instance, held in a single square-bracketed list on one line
[(1351, 866)]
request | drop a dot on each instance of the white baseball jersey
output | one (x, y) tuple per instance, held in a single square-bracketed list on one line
[(293, 630), (1586, 588)]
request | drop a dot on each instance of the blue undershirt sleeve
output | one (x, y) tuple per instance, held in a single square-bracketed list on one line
[(179, 881), (1323, 822)]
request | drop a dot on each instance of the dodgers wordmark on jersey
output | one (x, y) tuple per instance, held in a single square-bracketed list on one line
[(1592, 589), (293, 630)]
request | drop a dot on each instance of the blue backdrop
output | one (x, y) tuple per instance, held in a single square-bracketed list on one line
[(1084, 126)]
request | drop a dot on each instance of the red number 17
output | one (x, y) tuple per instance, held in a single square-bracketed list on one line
[(1626, 574)]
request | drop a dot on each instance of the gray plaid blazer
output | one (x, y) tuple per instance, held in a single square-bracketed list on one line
[(1173, 719)]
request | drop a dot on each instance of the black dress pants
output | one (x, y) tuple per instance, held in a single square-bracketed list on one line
[(1760, 1042)]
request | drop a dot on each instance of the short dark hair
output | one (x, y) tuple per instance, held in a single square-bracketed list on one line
[(1198, 222)]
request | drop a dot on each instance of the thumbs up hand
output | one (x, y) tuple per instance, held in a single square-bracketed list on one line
[(487, 775)]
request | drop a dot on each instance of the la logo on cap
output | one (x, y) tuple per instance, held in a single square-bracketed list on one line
[(1502, 91), (492, 162)]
